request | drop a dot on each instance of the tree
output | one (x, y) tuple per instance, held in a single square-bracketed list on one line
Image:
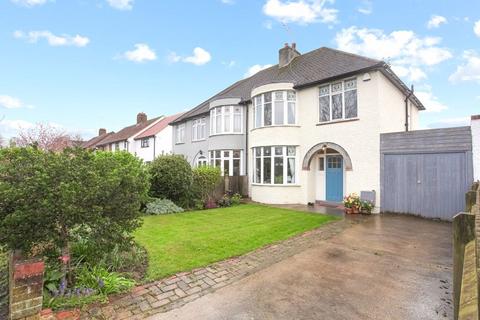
[(45, 137), (171, 178), (49, 199)]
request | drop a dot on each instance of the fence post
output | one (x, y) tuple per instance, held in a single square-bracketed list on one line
[(25, 287)]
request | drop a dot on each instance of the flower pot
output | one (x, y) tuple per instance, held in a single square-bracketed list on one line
[(348, 210), (356, 210)]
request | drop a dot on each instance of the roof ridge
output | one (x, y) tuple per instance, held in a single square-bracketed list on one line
[(351, 54)]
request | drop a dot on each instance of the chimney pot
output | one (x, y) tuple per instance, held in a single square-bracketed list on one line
[(287, 54), (102, 131), (286, 45), (141, 117), (294, 46)]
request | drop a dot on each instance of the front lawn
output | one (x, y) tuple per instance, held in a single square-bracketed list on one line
[(184, 241)]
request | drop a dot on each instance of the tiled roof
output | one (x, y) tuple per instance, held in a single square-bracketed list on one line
[(95, 141), (323, 64), (158, 127), (127, 132)]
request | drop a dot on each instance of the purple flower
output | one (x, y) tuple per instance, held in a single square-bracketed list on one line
[(101, 284)]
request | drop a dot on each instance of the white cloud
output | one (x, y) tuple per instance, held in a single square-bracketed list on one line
[(402, 48), (256, 68), (229, 64), (52, 39), (10, 128), (301, 11), (10, 102), (29, 3), (435, 21), (141, 53), (228, 1), (412, 73), (450, 122), (200, 57), (476, 28), (366, 7), (430, 101), (469, 70), (121, 4)]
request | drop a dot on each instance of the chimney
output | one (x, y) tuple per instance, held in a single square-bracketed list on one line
[(287, 54), (102, 131), (141, 117)]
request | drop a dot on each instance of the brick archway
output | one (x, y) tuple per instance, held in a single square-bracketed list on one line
[(318, 147)]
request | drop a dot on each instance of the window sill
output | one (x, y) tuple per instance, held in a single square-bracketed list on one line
[(278, 126), (275, 185), (337, 121), (176, 143), (226, 134), (199, 140)]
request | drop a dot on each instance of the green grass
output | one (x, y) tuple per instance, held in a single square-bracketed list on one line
[(184, 241)]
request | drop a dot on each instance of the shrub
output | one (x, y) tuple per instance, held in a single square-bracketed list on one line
[(236, 199), (367, 206), (162, 206), (49, 200), (205, 180), (225, 201), (171, 178), (103, 281)]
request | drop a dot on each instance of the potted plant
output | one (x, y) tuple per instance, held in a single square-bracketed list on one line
[(352, 203), (367, 207)]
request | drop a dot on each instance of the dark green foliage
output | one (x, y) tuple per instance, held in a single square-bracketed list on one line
[(162, 206), (48, 200), (171, 178), (3, 284), (205, 180)]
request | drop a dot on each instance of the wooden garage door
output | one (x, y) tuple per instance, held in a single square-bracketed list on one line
[(432, 185)]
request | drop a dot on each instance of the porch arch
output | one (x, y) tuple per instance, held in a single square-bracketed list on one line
[(309, 155)]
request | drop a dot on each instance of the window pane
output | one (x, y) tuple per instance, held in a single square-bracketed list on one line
[(337, 87), (351, 104), (267, 151), (226, 154), (236, 167), (278, 95), (258, 100), (291, 113), (324, 108), (218, 163), (236, 154), (279, 110), (321, 164), (325, 90), (218, 121), (278, 167), (217, 154), (258, 152), (267, 97), (278, 151), (290, 170), (258, 172), (290, 151), (350, 84), (267, 120), (337, 107), (267, 170), (226, 167), (226, 119), (258, 116), (237, 122), (291, 96)]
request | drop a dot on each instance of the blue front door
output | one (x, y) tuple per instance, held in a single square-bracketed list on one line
[(334, 178)]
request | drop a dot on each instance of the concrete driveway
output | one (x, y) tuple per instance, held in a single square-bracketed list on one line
[(390, 267)]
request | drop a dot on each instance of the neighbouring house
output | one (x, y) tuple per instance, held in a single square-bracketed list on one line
[(304, 130), (475, 126), (94, 143), (156, 140)]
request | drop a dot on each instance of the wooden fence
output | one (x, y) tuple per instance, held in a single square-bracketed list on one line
[(234, 184)]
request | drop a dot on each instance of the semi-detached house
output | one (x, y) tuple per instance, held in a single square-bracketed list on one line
[(306, 129)]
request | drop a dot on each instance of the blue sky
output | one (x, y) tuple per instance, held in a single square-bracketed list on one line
[(86, 64)]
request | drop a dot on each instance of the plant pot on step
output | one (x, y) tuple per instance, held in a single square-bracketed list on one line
[(356, 210), (348, 210)]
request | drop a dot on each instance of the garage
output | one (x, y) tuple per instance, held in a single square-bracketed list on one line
[(426, 172)]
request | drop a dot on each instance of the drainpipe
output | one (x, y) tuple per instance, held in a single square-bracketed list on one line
[(154, 139), (245, 160), (410, 93)]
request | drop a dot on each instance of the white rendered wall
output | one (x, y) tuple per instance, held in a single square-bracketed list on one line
[(475, 126)]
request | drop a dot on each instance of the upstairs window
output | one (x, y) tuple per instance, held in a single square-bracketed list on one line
[(226, 120), (338, 101), (145, 142), (180, 133), (199, 130), (275, 108)]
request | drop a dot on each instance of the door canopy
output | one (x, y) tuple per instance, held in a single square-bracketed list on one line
[(322, 146)]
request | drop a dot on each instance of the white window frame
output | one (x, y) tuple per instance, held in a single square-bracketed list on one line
[(229, 158), (221, 112), (259, 103), (145, 143), (330, 95), (199, 129), (272, 156), (202, 161), (180, 133)]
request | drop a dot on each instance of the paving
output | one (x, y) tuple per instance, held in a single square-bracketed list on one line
[(389, 267), (182, 288)]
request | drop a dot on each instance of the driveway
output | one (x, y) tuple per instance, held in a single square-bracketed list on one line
[(389, 267)]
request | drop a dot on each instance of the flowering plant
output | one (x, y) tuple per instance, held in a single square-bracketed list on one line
[(367, 206), (352, 201)]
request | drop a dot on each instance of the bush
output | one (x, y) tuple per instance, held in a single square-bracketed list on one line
[(103, 281), (236, 199), (205, 180), (50, 200), (171, 178), (225, 201), (162, 206)]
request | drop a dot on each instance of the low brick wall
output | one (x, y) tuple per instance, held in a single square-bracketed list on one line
[(466, 258)]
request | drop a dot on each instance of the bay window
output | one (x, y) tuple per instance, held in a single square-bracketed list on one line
[(199, 131), (229, 161), (274, 165), (226, 120), (338, 101), (275, 108)]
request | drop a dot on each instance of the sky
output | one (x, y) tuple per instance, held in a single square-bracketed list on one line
[(81, 65)]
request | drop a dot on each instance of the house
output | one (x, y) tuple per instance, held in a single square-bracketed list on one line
[(304, 130), (475, 127), (94, 143), (155, 140)]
